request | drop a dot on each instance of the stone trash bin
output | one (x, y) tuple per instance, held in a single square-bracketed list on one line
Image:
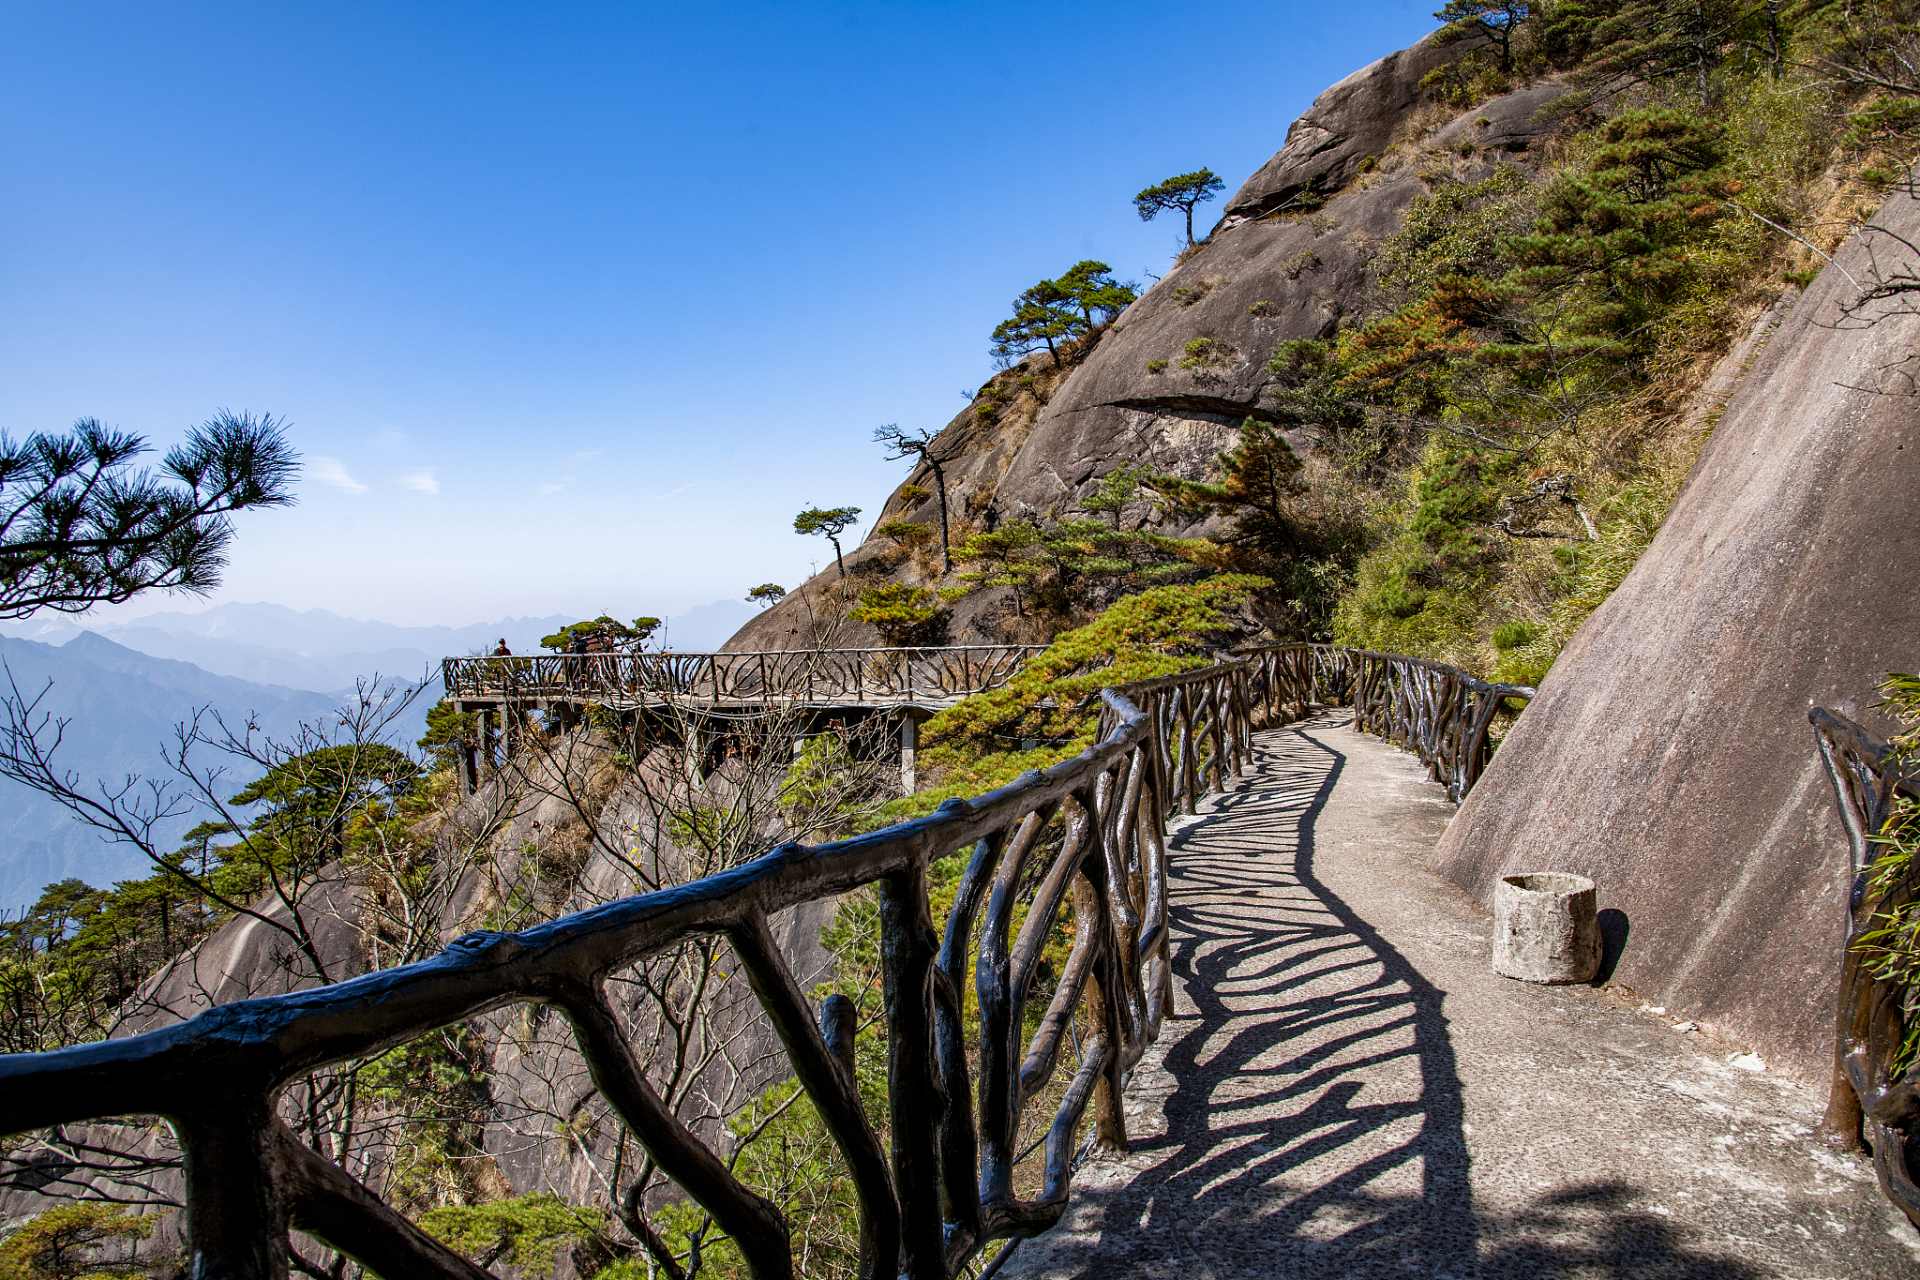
[(1546, 928)]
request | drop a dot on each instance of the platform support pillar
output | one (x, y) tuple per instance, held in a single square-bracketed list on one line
[(909, 749)]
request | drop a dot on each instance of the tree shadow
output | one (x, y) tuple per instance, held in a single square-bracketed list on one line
[(1595, 1229), (1314, 1121)]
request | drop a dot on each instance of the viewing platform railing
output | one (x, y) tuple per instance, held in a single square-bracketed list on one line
[(1090, 831), (814, 676)]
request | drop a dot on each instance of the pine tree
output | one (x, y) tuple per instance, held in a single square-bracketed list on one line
[(312, 799), (1493, 20), (1012, 556), (605, 634), (1090, 286), (448, 733), (1043, 316), (1182, 191), (1615, 242), (828, 523), (79, 526), (62, 1243), (920, 444), (1613, 43), (1260, 480)]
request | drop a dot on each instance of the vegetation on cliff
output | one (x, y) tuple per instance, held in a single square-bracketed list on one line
[(1477, 454), (1530, 386)]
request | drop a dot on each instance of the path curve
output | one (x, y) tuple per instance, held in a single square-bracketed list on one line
[(1347, 1090)]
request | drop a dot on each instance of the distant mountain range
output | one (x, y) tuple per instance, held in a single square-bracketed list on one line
[(124, 686), (326, 653), (121, 708)]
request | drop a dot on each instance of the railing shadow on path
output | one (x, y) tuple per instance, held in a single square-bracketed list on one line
[(1313, 1104), (1277, 1158)]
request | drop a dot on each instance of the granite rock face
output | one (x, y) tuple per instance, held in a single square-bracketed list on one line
[(1668, 756), (1168, 384), (1353, 121)]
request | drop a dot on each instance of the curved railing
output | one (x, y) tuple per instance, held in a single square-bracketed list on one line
[(805, 675), (1872, 1095), (946, 1188), (1440, 713)]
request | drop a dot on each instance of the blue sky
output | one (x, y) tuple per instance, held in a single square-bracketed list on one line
[(572, 306)]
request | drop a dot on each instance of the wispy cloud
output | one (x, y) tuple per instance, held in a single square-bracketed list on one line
[(669, 493), (332, 471), (547, 490), (421, 480)]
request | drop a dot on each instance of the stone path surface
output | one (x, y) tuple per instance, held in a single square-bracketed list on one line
[(1346, 1089)]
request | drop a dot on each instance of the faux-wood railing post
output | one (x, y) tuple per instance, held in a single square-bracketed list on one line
[(1110, 1116), (1189, 767), (236, 1221), (916, 1097)]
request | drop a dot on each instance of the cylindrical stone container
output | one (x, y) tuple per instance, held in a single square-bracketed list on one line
[(1546, 928)]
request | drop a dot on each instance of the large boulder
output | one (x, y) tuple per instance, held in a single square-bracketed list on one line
[(1349, 123), (1668, 755)]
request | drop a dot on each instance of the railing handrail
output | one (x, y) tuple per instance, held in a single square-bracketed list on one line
[(1442, 713), (890, 675), (948, 1189), (755, 653), (1870, 1094)]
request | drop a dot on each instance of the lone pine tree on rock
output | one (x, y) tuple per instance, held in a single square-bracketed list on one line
[(1043, 316), (767, 593), (1056, 311), (828, 523), (1090, 286), (1182, 191), (919, 444), (1492, 20)]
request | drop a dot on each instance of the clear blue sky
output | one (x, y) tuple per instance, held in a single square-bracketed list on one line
[(572, 306)]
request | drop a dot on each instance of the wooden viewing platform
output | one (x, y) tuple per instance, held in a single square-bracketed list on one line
[(908, 685), (931, 678)]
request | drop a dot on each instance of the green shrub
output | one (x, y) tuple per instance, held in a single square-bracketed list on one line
[(60, 1244), (906, 533), (900, 611), (1202, 353), (1511, 635), (527, 1232)]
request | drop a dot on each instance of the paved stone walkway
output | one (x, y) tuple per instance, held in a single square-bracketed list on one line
[(1348, 1090)]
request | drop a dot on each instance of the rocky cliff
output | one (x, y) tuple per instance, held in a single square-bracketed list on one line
[(1169, 382), (1668, 755)]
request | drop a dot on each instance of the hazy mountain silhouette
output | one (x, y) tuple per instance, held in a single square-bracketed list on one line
[(121, 708), (321, 651)]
